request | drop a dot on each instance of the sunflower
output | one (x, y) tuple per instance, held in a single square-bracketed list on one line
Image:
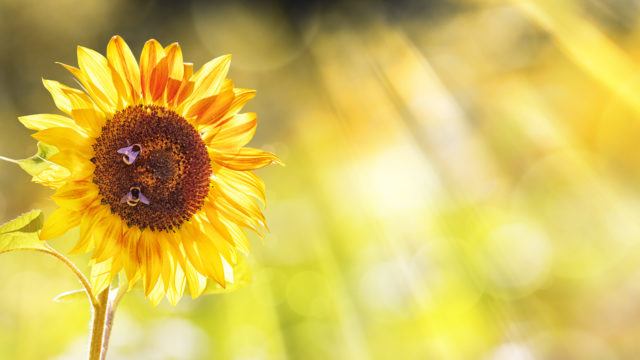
[(151, 165)]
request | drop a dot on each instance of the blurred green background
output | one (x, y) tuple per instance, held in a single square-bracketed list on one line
[(461, 181)]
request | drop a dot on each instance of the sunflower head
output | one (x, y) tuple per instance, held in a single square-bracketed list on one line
[(152, 166)]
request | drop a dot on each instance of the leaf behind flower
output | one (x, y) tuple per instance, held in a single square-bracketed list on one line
[(21, 233), (41, 168)]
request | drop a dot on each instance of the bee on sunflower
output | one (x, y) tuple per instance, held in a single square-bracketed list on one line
[(151, 165)]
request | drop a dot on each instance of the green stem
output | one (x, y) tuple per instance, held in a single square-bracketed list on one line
[(98, 328), (8, 159), (83, 279)]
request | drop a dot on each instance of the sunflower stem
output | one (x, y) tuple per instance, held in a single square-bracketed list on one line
[(111, 313), (98, 329)]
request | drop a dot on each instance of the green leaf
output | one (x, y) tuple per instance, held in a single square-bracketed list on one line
[(70, 296), (28, 222), (18, 240), (39, 162), (22, 232), (41, 168)]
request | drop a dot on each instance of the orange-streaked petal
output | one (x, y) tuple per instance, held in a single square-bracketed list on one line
[(152, 53), (209, 79), (210, 110), (124, 62), (234, 134), (159, 77), (175, 68), (242, 96), (76, 195), (186, 87), (245, 159)]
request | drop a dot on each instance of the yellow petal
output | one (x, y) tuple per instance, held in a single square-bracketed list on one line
[(45, 121), (241, 211), (223, 247), (188, 240), (90, 120), (196, 281), (100, 277), (60, 98), (211, 259), (79, 100), (64, 138), (150, 259), (107, 237), (131, 264), (232, 235), (239, 237), (156, 294), (77, 163), (59, 222), (91, 217), (202, 253), (176, 290), (96, 68), (53, 176), (244, 181), (168, 264), (214, 219), (101, 100)]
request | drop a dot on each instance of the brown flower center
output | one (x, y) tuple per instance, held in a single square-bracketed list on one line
[(152, 167)]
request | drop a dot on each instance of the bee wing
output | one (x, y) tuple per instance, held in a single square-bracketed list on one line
[(144, 199), (126, 198)]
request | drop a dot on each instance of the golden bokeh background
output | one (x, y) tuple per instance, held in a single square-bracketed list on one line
[(461, 181)]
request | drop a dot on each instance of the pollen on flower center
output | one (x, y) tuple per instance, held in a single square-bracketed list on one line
[(151, 153)]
